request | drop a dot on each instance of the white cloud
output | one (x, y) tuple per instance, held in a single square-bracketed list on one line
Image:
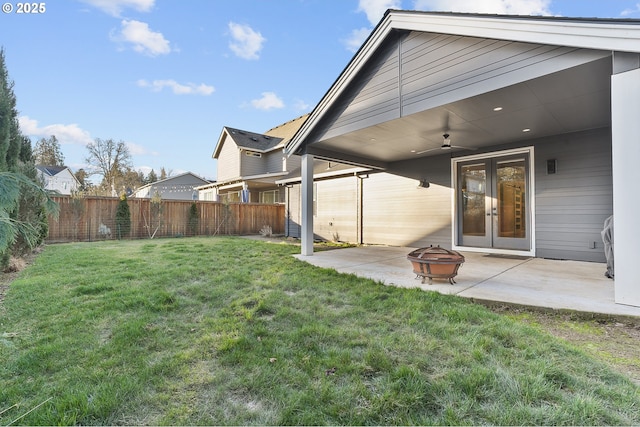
[(300, 105), (115, 7), (506, 7), (375, 9), (143, 39), (136, 149), (630, 12), (356, 39), (177, 88), (269, 101), (246, 43), (66, 134)]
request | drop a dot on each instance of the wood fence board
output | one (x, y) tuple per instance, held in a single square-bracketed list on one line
[(93, 218)]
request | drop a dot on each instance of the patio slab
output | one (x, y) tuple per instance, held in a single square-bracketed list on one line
[(536, 282)]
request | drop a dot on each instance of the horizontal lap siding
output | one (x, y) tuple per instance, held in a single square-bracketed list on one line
[(228, 161), (418, 71), (374, 99), (337, 210), (250, 165), (438, 69), (273, 161), (397, 212), (293, 212), (572, 204)]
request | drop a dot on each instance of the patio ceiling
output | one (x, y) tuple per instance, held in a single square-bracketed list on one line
[(568, 101)]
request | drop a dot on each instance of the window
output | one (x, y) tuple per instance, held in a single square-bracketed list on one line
[(232, 197), (270, 197)]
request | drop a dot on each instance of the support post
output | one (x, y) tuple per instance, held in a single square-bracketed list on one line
[(307, 205), (625, 134)]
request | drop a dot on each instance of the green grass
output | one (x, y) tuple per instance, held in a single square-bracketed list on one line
[(229, 331)]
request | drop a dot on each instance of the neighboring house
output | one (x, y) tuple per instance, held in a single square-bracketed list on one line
[(249, 164), (179, 187), (508, 135), (58, 179)]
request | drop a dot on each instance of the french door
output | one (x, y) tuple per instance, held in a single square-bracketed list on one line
[(492, 203)]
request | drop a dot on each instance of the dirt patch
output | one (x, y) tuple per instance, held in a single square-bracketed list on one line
[(16, 265), (613, 340)]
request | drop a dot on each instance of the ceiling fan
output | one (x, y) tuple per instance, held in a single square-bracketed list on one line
[(446, 145)]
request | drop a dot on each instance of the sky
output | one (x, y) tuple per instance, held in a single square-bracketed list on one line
[(165, 76)]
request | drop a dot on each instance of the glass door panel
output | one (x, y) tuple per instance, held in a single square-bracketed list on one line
[(472, 196), (510, 203)]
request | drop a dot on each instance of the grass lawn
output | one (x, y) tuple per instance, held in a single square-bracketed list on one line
[(230, 331)]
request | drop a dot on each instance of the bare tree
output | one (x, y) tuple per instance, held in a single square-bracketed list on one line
[(110, 159)]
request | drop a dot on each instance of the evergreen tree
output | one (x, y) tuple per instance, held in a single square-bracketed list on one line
[(10, 136), (23, 203), (123, 218), (194, 218), (82, 176), (152, 177), (48, 153)]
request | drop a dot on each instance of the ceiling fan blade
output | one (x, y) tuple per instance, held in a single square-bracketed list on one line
[(426, 151), (464, 148)]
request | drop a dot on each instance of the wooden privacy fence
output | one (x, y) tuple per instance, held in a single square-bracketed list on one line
[(94, 218)]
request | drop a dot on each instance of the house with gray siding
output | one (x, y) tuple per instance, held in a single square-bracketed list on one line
[(508, 135), (58, 179), (179, 187), (249, 164)]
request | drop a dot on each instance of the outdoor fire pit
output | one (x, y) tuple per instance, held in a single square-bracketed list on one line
[(435, 263)]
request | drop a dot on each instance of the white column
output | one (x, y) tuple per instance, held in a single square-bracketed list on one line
[(625, 133), (307, 205)]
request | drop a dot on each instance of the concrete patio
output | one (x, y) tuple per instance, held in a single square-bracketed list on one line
[(536, 282)]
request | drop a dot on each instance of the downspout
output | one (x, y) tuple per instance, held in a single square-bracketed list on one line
[(288, 213), (359, 210)]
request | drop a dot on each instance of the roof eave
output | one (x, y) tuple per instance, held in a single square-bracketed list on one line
[(610, 35), (221, 138)]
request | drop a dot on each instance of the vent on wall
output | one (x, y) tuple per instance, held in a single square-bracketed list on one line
[(252, 154)]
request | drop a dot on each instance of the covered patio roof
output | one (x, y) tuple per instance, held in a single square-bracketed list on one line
[(575, 96)]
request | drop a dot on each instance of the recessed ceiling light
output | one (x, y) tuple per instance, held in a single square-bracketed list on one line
[(413, 151), (497, 109), (526, 130)]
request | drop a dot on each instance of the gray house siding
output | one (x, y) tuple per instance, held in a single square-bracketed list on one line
[(398, 212), (409, 76), (273, 161), (251, 165), (572, 204), (293, 213), (336, 216), (228, 162)]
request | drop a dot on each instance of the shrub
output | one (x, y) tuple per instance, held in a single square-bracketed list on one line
[(193, 219), (123, 218)]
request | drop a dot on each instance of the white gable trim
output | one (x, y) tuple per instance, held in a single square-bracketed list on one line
[(608, 35)]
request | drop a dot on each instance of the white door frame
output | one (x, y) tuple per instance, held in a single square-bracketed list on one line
[(531, 201)]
